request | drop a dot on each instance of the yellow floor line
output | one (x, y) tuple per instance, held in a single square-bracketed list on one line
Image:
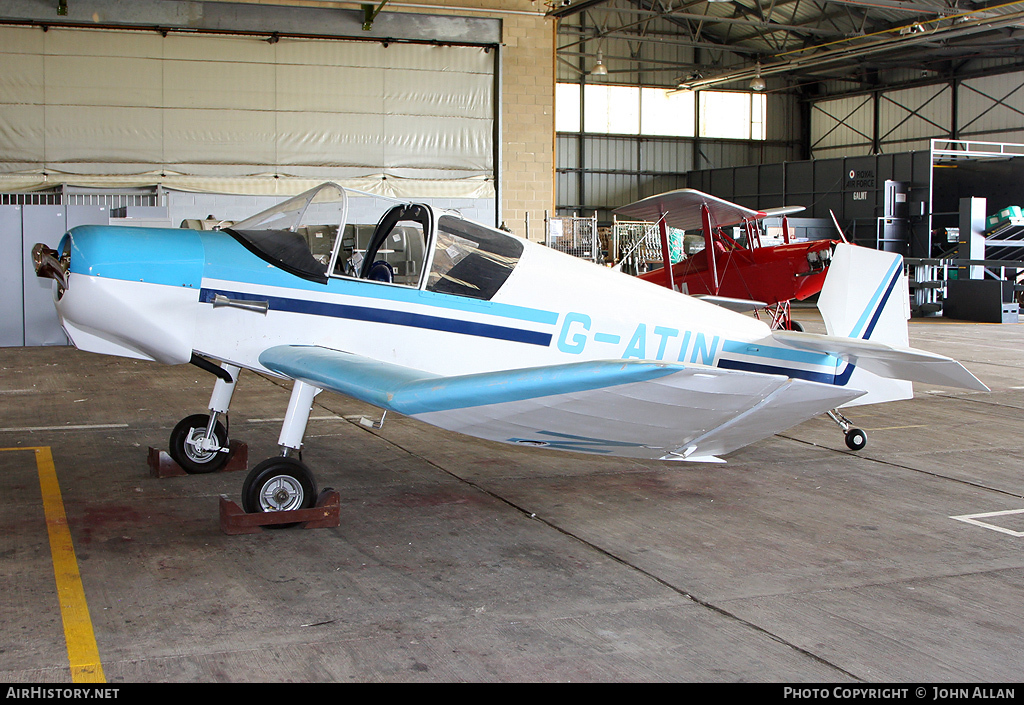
[(83, 654)]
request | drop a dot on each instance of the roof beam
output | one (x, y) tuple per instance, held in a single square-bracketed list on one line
[(565, 8), (918, 8), (838, 53)]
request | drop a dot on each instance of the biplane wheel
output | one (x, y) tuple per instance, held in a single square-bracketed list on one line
[(797, 326), (856, 439), (182, 445), (278, 485)]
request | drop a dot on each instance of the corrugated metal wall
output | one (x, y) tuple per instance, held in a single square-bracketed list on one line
[(987, 108)]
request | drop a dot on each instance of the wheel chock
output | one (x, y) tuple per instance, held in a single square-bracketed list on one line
[(161, 464), (325, 515)]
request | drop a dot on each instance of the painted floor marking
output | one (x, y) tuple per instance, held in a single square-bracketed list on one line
[(895, 428), (332, 417), (973, 519), (83, 654), (80, 427)]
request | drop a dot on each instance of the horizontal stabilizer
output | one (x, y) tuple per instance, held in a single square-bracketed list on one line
[(885, 360)]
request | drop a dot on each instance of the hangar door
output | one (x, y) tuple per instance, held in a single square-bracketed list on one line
[(241, 114)]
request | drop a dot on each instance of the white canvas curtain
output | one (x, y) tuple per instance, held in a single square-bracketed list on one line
[(240, 114)]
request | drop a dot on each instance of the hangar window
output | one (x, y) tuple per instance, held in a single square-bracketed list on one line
[(471, 260), (631, 110)]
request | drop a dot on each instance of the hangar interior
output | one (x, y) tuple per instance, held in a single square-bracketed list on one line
[(896, 121)]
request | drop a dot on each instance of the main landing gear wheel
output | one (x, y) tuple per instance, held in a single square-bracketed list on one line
[(856, 439), (185, 446), (276, 485)]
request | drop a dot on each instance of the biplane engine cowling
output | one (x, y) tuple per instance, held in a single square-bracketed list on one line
[(130, 291)]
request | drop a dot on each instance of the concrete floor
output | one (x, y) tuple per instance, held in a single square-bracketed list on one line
[(460, 560)]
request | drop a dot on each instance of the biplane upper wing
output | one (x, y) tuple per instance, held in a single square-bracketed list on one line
[(783, 210), (632, 408), (681, 209)]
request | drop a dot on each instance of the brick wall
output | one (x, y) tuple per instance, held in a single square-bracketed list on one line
[(529, 123)]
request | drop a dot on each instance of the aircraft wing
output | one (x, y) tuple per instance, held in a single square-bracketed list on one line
[(885, 360), (681, 209), (783, 210), (631, 408)]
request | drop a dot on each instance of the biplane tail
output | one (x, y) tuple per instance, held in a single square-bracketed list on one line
[(865, 304)]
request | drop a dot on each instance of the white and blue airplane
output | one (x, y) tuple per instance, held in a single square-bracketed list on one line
[(474, 330)]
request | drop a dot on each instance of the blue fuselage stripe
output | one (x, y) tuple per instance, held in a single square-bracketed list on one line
[(784, 354), (388, 316), (823, 377)]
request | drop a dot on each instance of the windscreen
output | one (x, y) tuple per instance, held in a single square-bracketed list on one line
[(284, 249), (299, 234)]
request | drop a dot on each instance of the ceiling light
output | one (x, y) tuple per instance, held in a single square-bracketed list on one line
[(599, 68), (757, 83)]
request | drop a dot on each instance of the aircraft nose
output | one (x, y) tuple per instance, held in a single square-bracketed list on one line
[(51, 264), (126, 290)]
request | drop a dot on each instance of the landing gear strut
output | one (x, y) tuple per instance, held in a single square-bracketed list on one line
[(856, 439), (284, 483), (276, 492), (199, 443)]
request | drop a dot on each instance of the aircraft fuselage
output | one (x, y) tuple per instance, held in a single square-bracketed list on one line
[(163, 293)]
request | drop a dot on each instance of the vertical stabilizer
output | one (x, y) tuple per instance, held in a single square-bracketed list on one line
[(865, 296)]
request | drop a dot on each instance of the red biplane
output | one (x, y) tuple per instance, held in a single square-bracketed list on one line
[(749, 276)]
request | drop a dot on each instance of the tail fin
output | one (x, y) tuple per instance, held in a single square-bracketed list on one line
[(865, 296)]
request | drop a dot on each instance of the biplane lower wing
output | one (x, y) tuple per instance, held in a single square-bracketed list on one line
[(733, 304), (630, 408)]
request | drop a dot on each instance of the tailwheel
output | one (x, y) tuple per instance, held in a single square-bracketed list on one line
[(278, 485), (856, 439), (191, 449)]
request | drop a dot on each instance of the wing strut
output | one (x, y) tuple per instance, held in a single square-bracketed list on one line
[(666, 256), (709, 245)]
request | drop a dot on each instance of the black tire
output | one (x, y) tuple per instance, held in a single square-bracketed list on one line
[(187, 456), (278, 484), (797, 326), (856, 439)]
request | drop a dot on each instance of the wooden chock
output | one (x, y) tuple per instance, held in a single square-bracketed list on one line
[(162, 465), (326, 514)]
